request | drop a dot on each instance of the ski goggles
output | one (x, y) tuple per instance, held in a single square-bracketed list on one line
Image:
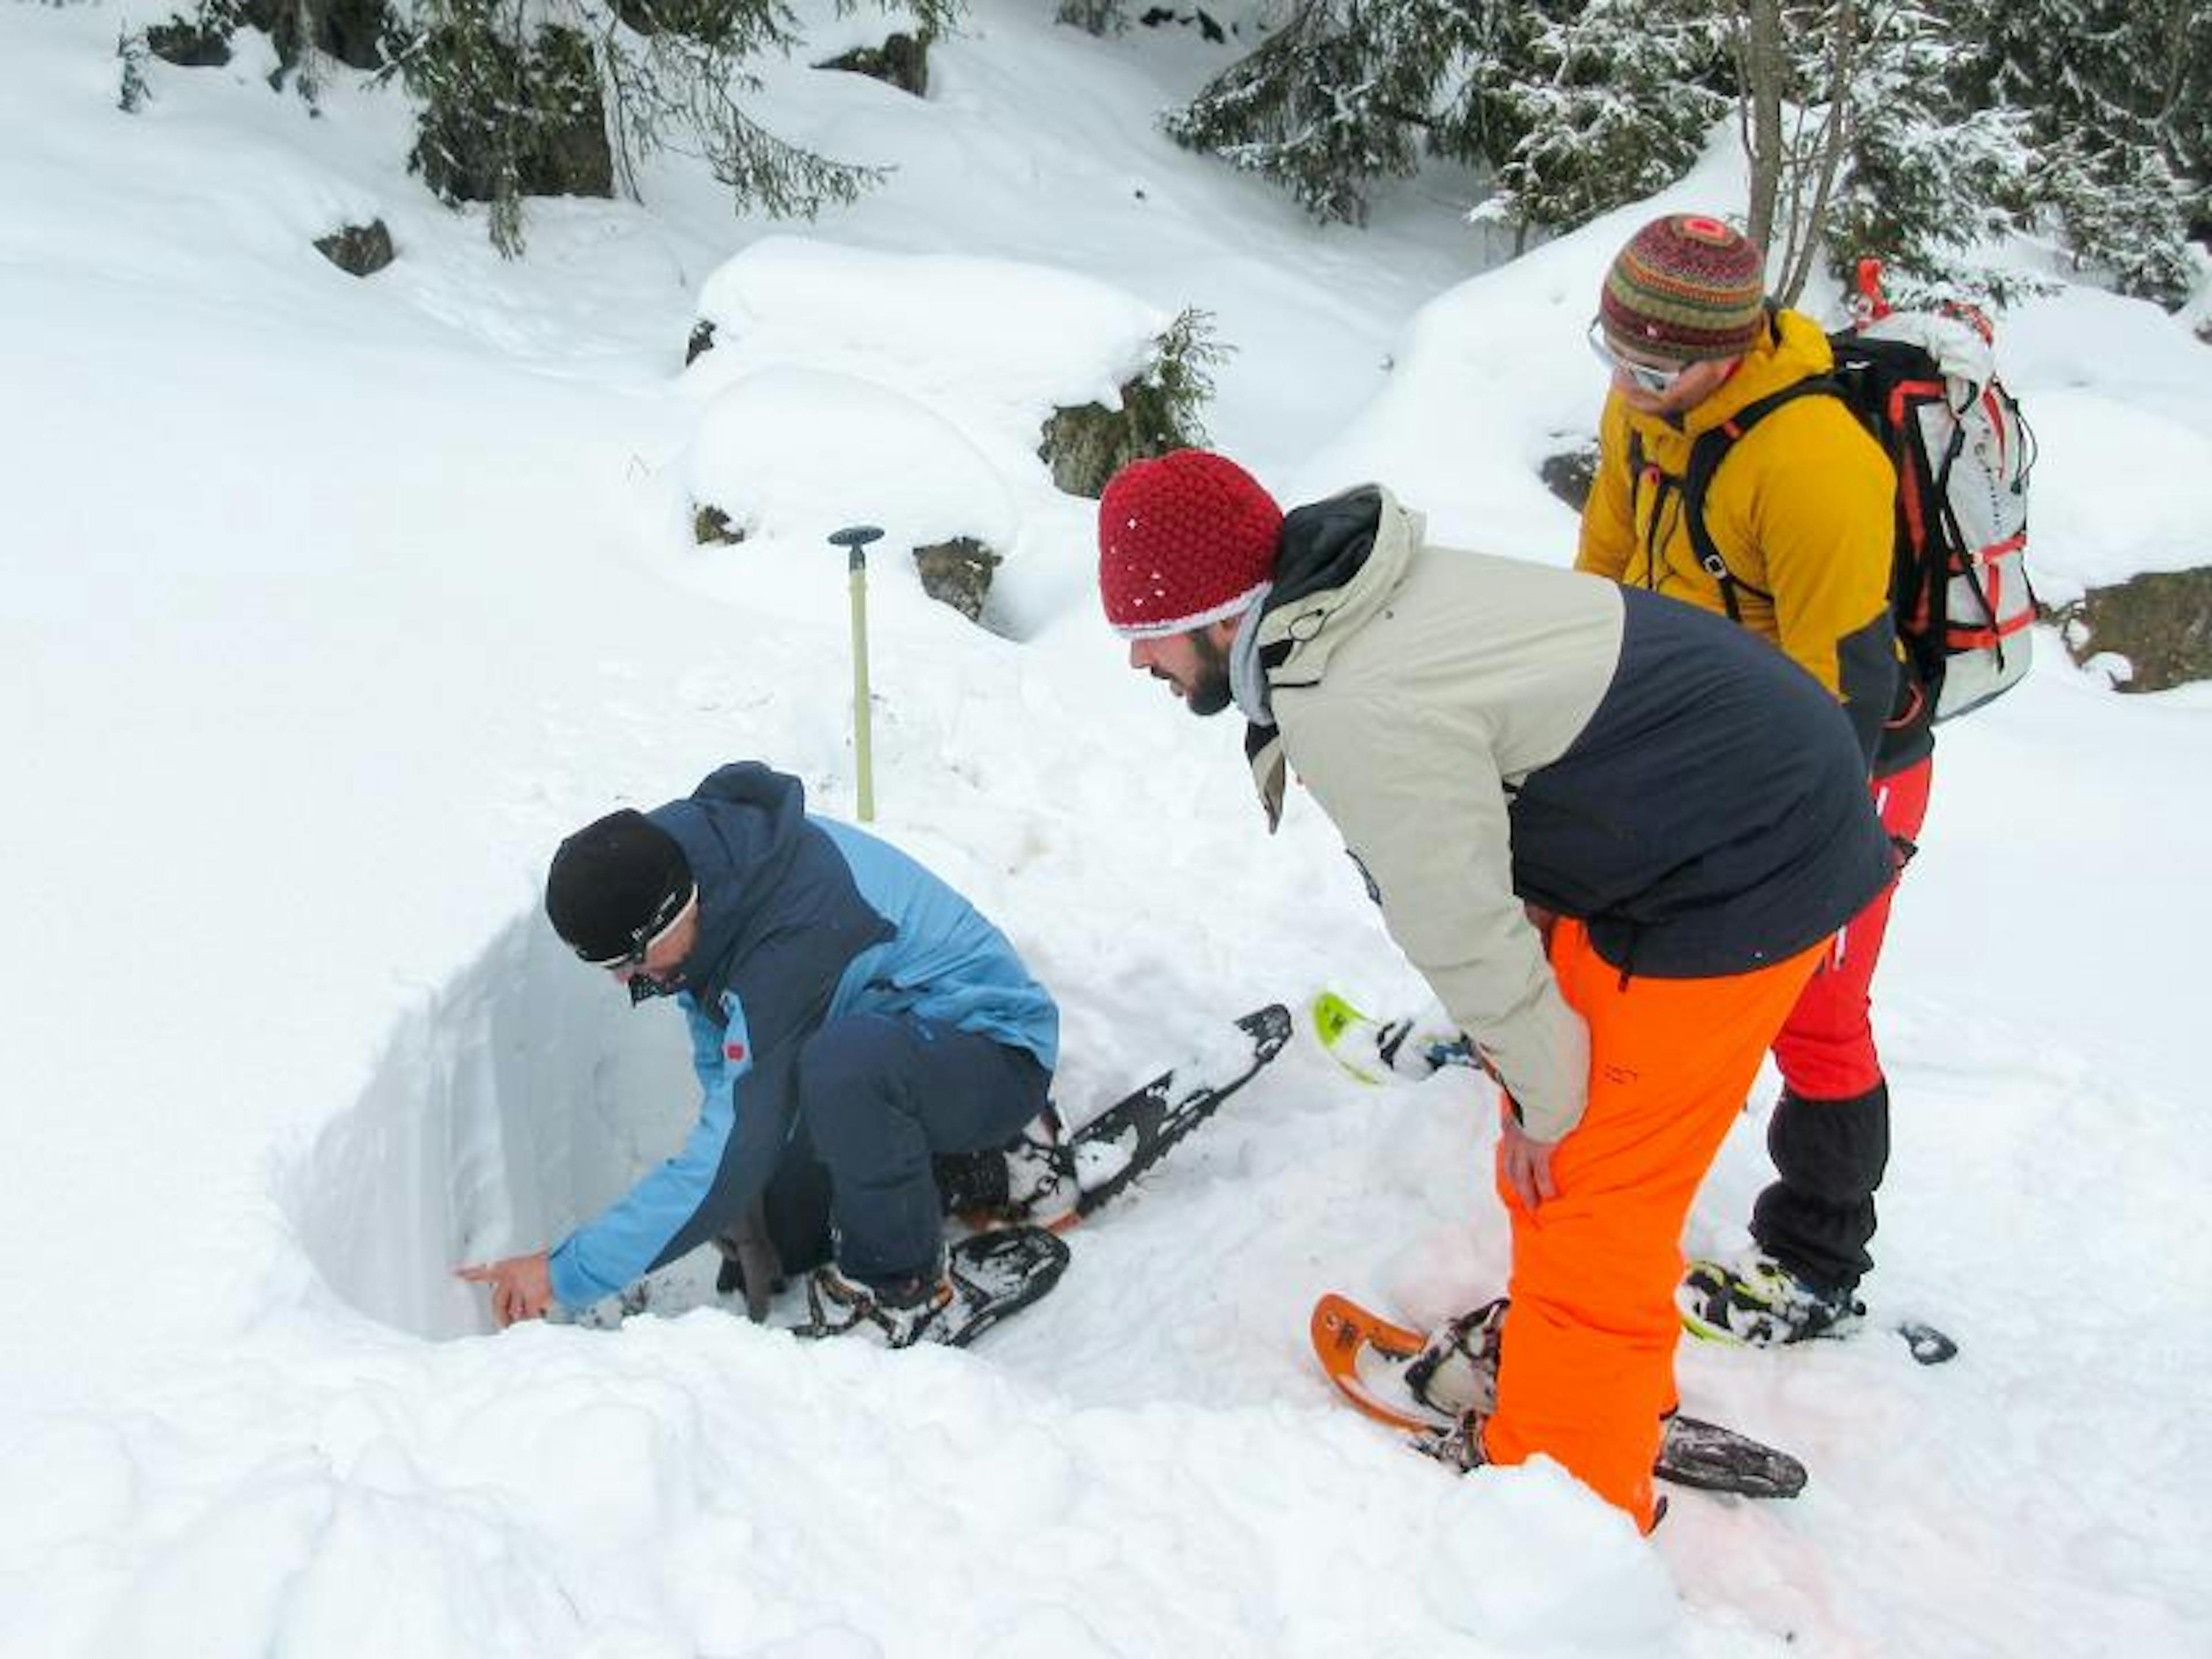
[(1644, 377), (648, 933)]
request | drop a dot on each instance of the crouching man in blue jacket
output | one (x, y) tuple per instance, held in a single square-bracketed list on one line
[(852, 1019)]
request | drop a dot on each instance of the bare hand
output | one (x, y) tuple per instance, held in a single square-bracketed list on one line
[(521, 1287), (1526, 1165)]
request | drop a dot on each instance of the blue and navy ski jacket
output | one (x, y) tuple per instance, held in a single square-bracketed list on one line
[(802, 920)]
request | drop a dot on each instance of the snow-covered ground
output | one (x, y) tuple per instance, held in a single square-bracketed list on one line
[(327, 606)]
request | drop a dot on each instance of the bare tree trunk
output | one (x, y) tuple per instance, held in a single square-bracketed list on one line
[(1793, 172), (1835, 140), (1761, 75)]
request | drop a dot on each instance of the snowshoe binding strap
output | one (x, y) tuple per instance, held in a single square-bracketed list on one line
[(1456, 1370)]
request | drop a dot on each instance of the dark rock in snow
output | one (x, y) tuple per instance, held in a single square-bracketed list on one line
[(202, 41), (564, 149), (710, 525), (1569, 473), (351, 31), (571, 156), (958, 572), (358, 250), (2161, 621), (1160, 16), (1087, 444), (903, 61), (1084, 445)]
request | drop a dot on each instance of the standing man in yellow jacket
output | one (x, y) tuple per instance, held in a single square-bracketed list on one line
[(1800, 526)]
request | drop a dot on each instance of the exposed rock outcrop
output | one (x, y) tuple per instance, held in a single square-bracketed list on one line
[(1087, 444), (2161, 621), (903, 61), (1568, 474), (958, 572), (358, 250)]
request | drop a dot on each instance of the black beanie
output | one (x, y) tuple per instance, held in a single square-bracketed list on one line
[(611, 879)]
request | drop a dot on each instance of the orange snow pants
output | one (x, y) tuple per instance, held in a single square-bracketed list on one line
[(1586, 1361)]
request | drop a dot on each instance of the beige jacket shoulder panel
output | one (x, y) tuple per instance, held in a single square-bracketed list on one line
[(1411, 699)]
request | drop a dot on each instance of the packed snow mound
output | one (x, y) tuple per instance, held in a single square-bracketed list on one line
[(1491, 375), (791, 454), (2092, 525), (909, 393), (993, 343)]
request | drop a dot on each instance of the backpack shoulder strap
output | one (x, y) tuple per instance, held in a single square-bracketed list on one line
[(1710, 449)]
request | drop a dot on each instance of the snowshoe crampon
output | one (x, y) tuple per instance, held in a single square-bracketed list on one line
[(1365, 1355), (994, 1276), (987, 1279), (1754, 1301), (1134, 1134)]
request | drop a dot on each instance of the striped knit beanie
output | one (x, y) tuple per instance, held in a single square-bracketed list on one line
[(1183, 540), (1686, 289)]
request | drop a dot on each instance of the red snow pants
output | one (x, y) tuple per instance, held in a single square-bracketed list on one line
[(1826, 1050), (1587, 1356)]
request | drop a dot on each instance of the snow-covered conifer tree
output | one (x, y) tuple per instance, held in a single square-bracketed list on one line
[(1340, 95), (1575, 106), (2116, 95), (513, 90), (1925, 180), (1604, 103)]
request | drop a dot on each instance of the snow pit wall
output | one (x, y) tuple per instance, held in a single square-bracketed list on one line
[(525, 1095)]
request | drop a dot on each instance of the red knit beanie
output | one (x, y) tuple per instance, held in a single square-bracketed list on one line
[(1183, 540), (1686, 289)]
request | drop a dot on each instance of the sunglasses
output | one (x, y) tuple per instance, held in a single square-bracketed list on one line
[(648, 933), (1658, 382)]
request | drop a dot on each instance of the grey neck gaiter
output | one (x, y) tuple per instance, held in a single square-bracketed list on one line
[(1248, 681)]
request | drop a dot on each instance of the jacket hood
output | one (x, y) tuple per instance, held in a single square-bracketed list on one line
[(1337, 562), (740, 829)]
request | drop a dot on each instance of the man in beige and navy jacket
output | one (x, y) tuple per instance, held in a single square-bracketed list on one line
[(1611, 831)]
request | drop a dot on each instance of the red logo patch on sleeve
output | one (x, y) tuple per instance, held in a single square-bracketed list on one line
[(733, 1051)]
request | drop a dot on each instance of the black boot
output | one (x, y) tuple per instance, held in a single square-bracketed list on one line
[(898, 1313), (1757, 1302)]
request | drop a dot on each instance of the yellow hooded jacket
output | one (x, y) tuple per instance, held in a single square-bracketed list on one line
[(1802, 511)]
